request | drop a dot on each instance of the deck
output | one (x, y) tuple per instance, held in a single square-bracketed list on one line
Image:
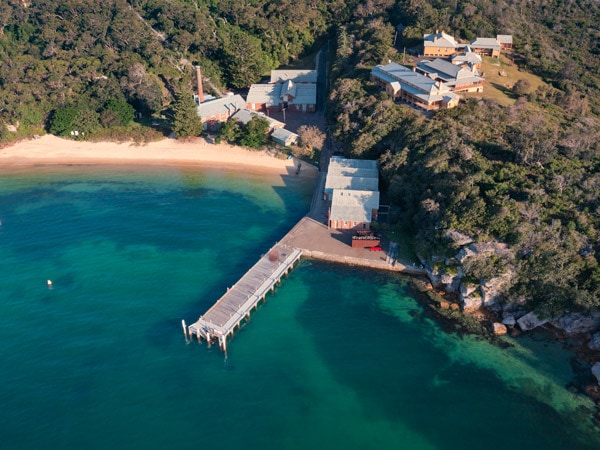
[(227, 314)]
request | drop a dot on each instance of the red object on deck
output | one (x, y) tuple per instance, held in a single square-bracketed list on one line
[(377, 248)]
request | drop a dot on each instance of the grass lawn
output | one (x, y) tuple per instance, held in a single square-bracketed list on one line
[(499, 87)]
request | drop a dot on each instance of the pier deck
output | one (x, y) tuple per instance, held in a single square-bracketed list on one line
[(221, 320)]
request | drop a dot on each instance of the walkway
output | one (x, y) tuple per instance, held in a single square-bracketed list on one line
[(228, 313)]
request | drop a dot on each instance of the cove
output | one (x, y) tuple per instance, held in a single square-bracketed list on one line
[(338, 357)]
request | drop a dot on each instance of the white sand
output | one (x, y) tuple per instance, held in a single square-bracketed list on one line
[(52, 150)]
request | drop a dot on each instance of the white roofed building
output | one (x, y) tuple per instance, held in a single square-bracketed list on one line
[(353, 209), (292, 90), (352, 187), (214, 112), (486, 46), (297, 76), (402, 83)]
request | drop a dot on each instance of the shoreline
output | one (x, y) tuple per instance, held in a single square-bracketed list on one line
[(52, 150)]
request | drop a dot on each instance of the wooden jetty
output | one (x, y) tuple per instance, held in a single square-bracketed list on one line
[(234, 307)]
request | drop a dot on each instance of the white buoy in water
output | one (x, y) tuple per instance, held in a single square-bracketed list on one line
[(49, 283)]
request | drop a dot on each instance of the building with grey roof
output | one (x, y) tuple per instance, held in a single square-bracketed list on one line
[(439, 44), (245, 115), (486, 46), (457, 78), (300, 97), (468, 57), (212, 113), (352, 187), (402, 83), (353, 209), (291, 90), (284, 137), (297, 76), (505, 41)]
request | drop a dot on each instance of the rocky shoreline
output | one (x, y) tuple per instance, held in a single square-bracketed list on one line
[(576, 333)]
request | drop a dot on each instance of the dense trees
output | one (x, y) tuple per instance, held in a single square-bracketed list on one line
[(185, 118), (55, 54), (525, 175)]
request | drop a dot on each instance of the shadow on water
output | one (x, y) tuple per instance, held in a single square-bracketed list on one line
[(403, 366)]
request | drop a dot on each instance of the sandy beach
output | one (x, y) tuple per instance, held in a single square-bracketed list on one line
[(52, 150)]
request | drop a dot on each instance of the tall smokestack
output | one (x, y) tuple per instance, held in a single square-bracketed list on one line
[(200, 90)]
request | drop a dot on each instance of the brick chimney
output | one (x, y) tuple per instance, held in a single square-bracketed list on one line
[(200, 90)]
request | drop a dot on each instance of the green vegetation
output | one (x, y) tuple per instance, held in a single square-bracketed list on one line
[(255, 134), (58, 54), (185, 117), (525, 172)]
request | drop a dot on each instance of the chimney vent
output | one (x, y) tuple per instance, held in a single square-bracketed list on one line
[(200, 90)]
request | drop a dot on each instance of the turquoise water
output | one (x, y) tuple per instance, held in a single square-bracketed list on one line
[(337, 357)]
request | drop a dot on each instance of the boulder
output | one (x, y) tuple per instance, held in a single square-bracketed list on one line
[(530, 321), (459, 238), (499, 329), (576, 323), (451, 282), (493, 289), (596, 371), (469, 301), (594, 343), (509, 320)]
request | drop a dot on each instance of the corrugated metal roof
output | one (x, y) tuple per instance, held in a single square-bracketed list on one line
[(487, 43), (505, 38), (353, 205), (245, 115), (416, 84), (225, 105), (450, 73), (270, 94), (264, 93), (439, 40), (297, 76), (284, 137)]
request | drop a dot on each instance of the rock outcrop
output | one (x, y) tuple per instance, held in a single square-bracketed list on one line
[(596, 371), (499, 329), (594, 343), (575, 323), (530, 321), (470, 297)]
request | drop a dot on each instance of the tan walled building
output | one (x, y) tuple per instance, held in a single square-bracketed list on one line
[(404, 84), (439, 44)]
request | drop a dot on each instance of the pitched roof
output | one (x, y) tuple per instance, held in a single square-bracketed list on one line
[(504, 38), (414, 83), (354, 174), (270, 94), (487, 43), (450, 73), (297, 76), (468, 57), (224, 105), (246, 115), (440, 39), (353, 205), (284, 137)]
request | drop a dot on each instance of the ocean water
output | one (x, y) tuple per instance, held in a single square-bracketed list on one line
[(338, 357)]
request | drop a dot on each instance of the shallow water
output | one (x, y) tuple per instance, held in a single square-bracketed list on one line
[(337, 358)]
